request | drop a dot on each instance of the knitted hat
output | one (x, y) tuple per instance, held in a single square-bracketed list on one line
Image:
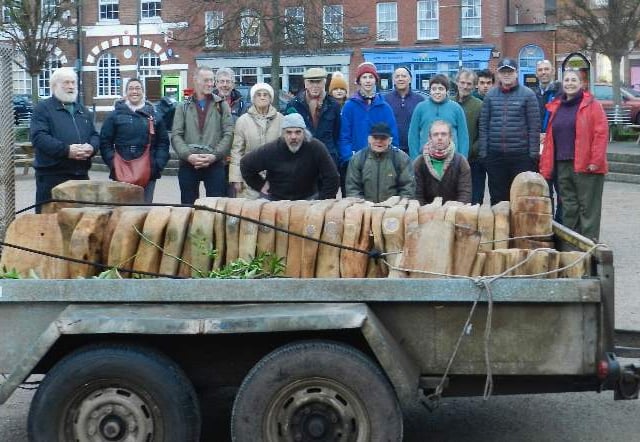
[(293, 120), (337, 82), (261, 87), (366, 68)]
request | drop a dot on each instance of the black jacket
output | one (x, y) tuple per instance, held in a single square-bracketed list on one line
[(128, 133), (53, 129), (291, 176), (328, 130)]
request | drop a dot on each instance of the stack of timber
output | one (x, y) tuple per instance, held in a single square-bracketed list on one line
[(431, 241)]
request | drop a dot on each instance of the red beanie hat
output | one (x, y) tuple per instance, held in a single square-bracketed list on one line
[(366, 68)]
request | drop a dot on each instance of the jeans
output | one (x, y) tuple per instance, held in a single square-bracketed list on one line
[(502, 168), (45, 183), (478, 181), (189, 180)]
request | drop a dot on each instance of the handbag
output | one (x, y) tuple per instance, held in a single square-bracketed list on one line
[(138, 170)]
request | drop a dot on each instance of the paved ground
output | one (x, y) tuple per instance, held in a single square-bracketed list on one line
[(552, 417)]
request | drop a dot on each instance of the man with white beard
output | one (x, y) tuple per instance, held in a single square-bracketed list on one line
[(63, 136), (289, 167)]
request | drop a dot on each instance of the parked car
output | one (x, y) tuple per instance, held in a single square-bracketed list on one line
[(604, 93), (22, 108)]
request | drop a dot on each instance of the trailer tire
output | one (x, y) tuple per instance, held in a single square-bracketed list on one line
[(115, 392), (316, 391)]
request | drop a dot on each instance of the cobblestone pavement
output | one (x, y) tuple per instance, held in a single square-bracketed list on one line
[(550, 417)]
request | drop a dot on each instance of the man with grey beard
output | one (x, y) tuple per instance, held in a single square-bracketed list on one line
[(290, 167), (63, 135)]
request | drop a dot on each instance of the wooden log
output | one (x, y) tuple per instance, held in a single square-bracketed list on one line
[(149, 256), (38, 232), (530, 224), (353, 219), (249, 230), (494, 263), (174, 239), (67, 221), (267, 236), (554, 263), (578, 268), (412, 244), (467, 242), (314, 222), (478, 264), (376, 268), (528, 184), (220, 233), (393, 232), (202, 238), (485, 227), (94, 191), (538, 263), (125, 240), (451, 209), (436, 249), (513, 258), (501, 223), (431, 211), (294, 250), (328, 258), (232, 228), (283, 213), (86, 243), (536, 204)]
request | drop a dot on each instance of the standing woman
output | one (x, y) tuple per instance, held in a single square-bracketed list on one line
[(576, 144), (258, 126), (127, 130)]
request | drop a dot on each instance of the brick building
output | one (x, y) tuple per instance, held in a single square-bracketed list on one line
[(163, 41)]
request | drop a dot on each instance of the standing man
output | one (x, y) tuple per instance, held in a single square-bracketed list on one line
[(202, 133), (403, 101), (64, 137), (466, 80), (294, 164), (485, 82), (320, 111), (226, 89), (509, 131), (380, 171), (546, 91)]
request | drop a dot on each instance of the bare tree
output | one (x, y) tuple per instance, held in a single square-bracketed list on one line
[(276, 28), (34, 28), (608, 27)]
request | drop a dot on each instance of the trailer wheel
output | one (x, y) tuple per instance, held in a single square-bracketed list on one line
[(115, 393), (316, 391)]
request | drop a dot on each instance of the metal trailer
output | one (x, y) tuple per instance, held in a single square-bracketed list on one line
[(305, 359)]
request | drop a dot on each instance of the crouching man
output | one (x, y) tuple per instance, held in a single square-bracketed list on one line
[(289, 168), (380, 171)]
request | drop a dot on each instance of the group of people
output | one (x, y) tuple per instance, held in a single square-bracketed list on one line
[(367, 145)]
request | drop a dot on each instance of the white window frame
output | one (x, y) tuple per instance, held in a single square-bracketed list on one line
[(213, 21), (471, 19), (109, 75), (107, 4), (387, 21), (44, 86), (294, 16), (21, 80), (157, 10), (249, 28), (428, 20), (148, 66), (333, 24)]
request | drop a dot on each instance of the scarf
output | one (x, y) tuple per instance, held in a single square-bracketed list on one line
[(134, 108), (433, 157), (315, 104)]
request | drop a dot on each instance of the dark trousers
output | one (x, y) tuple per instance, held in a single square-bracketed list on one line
[(581, 198), (554, 189), (502, 169), (478, 181), (45, 183), (189, 180)]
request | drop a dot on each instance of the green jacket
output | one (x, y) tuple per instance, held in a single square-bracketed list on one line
[(215, 138), (471, 107), (378, 176)]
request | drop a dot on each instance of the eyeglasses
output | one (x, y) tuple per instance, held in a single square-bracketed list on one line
[(134, 88)]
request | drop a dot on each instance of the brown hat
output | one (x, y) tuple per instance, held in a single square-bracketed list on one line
[(314, 74), (366, 68), (337, 82)]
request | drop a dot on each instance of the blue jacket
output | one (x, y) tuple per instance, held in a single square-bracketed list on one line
[(545, 97), (403, 108), (429, 111), (356, 121), (128, 133), (328, 130), (53, 129)]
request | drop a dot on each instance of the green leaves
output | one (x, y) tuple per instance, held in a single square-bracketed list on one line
[(265, 265)]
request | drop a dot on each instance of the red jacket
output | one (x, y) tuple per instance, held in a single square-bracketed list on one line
[(592, 136)]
